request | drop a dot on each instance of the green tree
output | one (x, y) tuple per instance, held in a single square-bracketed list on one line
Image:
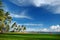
[(14, 24), (5, 19), (19, 28), (23, 28)]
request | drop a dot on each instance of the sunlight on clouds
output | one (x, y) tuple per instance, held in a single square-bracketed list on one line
[(39, 3), (55, 28), (48, 2), (52, 3)]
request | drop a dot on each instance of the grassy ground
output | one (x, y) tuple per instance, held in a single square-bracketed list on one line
[(15, 36)]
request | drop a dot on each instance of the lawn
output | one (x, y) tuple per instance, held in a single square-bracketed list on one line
[(19, 36)]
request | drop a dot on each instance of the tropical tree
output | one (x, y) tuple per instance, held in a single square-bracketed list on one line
[(2, 17), (5, 19), (14, 26), (1, 27), (19, 28), (7, 28), (23, 28)]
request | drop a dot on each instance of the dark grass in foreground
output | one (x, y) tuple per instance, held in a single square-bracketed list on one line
[(19, 36)]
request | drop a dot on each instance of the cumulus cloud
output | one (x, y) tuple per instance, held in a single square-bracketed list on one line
[(55, 28), (21, 15)]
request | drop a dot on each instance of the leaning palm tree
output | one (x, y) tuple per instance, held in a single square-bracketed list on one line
[(23, 28), (14, 24), (19, 28)]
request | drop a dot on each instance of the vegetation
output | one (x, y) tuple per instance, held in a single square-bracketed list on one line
[(5, 21), (18, 36)]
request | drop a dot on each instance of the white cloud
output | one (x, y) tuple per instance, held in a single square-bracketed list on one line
[(55, 28), (35, 2), (38, 3), (44, 30), (21, 15), (49, 2), (32, 29), (29, 24), (54, 4)]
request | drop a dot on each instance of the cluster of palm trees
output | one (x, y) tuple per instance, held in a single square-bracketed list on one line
[(18, 28), (5, 21)]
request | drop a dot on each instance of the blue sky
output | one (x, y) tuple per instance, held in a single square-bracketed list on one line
[(37, 15)]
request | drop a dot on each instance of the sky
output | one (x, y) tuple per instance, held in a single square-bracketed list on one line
[(36, 15)]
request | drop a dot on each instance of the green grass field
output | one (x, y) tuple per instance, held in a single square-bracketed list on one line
[(12, 36)]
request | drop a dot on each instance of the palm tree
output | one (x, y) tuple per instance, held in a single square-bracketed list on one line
[(19, 28), (7, 21), (14, 24), (23, 28), (8, 18)]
